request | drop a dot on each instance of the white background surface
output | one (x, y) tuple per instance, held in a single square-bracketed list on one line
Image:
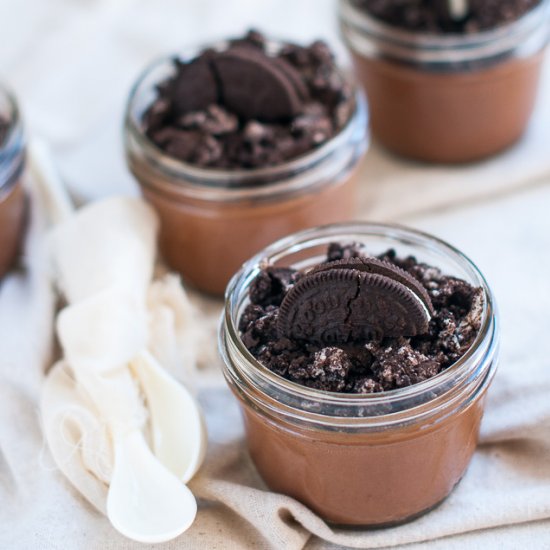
[(72, 62)]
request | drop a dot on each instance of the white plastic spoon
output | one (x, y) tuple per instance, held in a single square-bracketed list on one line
[(146, 502), (174, 411)]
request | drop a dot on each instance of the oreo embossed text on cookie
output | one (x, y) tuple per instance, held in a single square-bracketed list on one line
[(249, 104), (360, 324)]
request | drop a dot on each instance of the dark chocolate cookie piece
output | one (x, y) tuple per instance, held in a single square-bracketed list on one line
[(348, 306), (194, 88), (376, 266), (327, 370), (293, 76), (438, 16), (271, 285), (339, 251), (254, 87)]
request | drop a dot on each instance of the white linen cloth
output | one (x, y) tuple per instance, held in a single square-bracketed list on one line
[(508, 482), (71, 63)]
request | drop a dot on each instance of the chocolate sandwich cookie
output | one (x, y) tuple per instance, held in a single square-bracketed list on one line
[(377, 266), (255, 86), (195, 87), (353, 301)]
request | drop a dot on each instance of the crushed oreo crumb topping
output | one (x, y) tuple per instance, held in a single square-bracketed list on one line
[(247, 107), (435, 16), (366, 366)]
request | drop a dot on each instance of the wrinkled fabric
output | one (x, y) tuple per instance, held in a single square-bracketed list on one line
[(72, 65), (505, 490)]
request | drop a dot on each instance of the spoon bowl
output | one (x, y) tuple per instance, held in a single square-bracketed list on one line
[(146, 502)]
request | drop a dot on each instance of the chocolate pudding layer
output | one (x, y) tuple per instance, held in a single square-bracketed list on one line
[(241, 143), (361, 378), (443, 87), (12, 195), (452, 117), (12, 217), (208, 240), (377, 479), (333, 300)]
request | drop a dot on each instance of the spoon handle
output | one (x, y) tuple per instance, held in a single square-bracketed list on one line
[(179, 436)]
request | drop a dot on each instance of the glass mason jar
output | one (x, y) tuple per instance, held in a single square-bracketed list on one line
[(212, 220), (364, 460), (447, 98), (12, 195)]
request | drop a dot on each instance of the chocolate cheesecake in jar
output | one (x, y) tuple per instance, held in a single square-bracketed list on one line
[(449, 81), (239, 143), (12, 195), (360, 355)]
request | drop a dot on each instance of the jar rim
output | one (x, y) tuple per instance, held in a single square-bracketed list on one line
[(219, 181), (487, 333), (445, 47)]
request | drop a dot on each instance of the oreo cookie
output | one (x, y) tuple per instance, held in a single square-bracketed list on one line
[(194, 88), (292, 75), (253, 86), (353, 302), (375, 266)]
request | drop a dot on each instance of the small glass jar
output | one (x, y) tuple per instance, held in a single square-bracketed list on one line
[(363, 460), (212, 220), (12, 194), (447, 98)]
